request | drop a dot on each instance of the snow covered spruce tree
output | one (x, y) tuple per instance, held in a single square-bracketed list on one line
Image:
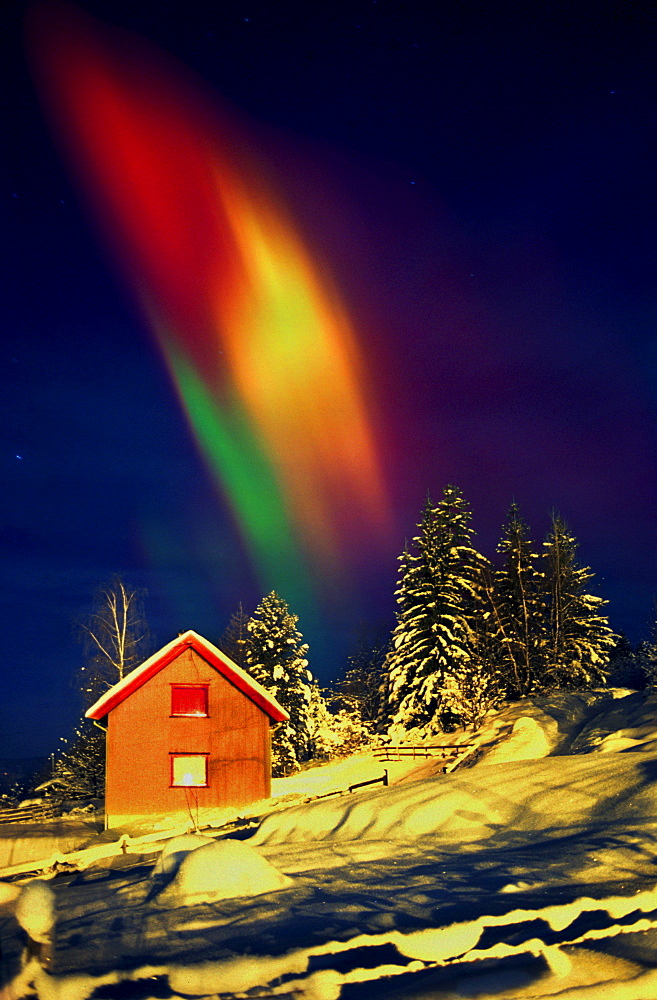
[(519, 609), (276, 658), (439, 660), (79, 769), (579, 638), (629, 667)]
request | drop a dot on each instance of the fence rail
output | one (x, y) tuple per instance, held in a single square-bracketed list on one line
[(383, 780), (397, 752), (26, 814)]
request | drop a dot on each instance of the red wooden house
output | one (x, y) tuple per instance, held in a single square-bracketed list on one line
[(186, 731)]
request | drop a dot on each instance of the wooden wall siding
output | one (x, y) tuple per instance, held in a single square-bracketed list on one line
[(142, 735)]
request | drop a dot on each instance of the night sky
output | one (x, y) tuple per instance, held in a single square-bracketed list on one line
[(476, 184)]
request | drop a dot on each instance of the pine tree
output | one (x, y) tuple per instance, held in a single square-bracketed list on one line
[(630, 668), (436, 656), (518, 609), (400, 663), (477, 684), (235, 638), (579, 637), (646, 655), (363, 683), (79, 768), (276, 658)]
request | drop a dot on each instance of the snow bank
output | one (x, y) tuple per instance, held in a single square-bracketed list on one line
[(621, 726), (473, 805), (561, 723), (234, 975), (577, 722), (222, 870), (484, 879)]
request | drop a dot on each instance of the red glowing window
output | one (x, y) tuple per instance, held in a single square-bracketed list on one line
[(189, 770), (189, 699)]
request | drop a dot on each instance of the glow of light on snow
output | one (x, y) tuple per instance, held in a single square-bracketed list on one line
[(610, 814), (261, 348)]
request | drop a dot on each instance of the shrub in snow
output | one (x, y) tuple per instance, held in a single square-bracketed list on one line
[(79, 765), (222, 870), (335, 725)]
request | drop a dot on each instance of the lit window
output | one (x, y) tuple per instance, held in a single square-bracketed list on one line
[(189, 770), (189, 699)]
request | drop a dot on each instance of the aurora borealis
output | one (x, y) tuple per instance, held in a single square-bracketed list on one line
[(272, 272), (260, 348)]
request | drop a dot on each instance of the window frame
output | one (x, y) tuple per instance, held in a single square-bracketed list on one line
[(205, 686), (177, 755)]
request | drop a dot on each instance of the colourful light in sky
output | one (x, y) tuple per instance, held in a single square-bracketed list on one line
[(261, 349)]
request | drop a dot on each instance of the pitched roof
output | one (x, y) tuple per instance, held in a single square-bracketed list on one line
[(222, 663)]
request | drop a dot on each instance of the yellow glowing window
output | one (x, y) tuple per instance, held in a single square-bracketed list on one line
[(189, 699), (189, 770)]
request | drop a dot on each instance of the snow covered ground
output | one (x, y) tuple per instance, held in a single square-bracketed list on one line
[(531, 873), (20, 842)]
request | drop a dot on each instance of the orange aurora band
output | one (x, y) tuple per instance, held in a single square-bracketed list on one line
[(261, 350)]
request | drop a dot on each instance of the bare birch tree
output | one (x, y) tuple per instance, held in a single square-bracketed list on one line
[(115, 636)]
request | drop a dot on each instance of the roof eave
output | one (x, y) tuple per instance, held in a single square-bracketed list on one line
[(220, 661)]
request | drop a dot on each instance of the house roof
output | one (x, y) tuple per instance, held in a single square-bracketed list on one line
[(222, 663)]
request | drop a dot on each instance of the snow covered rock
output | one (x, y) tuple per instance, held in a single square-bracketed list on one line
[(526, 742), (35, 910), (222, 870)]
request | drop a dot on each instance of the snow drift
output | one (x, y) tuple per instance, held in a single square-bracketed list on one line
[(221, 870)]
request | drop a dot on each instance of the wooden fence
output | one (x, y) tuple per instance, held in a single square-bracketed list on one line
[(399, 752), (35, 811)]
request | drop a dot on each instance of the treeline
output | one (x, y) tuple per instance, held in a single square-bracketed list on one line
[(470, 633), (323, 723)]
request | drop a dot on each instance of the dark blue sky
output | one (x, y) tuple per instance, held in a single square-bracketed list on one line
[(481, 178)]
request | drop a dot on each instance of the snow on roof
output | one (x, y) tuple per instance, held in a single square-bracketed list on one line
[(220, 661)]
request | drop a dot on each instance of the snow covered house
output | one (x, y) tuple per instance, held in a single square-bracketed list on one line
[(186, 731)]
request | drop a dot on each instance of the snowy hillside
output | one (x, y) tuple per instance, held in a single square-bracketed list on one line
[(530, 873)]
